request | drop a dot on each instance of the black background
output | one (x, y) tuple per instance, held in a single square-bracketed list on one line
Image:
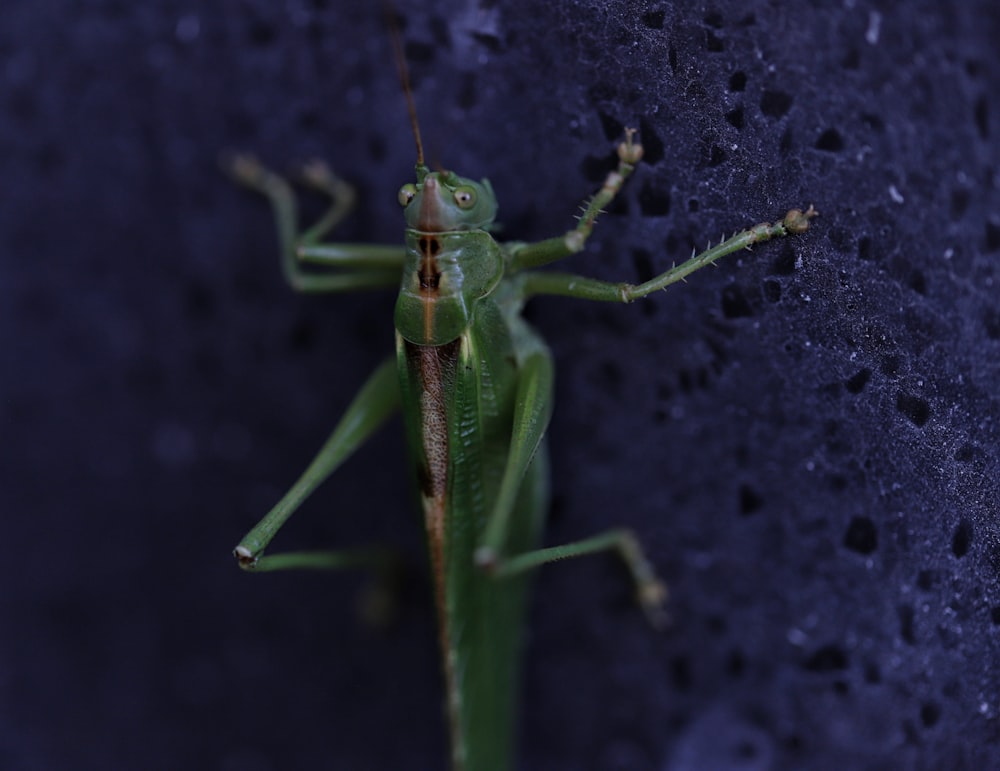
[(805, 439)]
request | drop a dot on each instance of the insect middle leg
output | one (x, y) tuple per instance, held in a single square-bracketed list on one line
[(584, 288)]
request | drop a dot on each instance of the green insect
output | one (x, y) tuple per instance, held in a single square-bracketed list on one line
[(475, 385)]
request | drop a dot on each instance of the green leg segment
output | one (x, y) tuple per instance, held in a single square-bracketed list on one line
[(531, 417), (373, 257), (523, 255), (532, 410), (318, 176), (362, 267), (650, 591), (377, 400), (795, 221)]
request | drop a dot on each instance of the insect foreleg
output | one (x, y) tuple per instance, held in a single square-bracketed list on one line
[(318, 176), (377, 400), (361, 267), (523, 255)]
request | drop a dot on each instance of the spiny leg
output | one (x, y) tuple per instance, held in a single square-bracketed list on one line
[(523, 255), (796, 221), (629, 154)]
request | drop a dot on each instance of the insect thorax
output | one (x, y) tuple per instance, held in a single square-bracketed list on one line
[(444, 276)]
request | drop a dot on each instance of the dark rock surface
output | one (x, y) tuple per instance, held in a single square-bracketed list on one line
[(806, 438)]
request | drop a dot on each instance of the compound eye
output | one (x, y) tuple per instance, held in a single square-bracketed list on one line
[(465, 197), (406, 194)]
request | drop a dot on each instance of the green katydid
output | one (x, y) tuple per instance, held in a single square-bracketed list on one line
[(475, 384)]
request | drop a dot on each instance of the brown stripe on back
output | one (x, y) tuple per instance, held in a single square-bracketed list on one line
[(435, 367)]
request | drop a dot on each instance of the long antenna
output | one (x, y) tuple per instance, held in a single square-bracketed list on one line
[(404, 80)]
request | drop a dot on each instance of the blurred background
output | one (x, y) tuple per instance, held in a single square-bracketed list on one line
[(805, 438)]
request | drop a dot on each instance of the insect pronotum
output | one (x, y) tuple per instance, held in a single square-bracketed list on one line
[(474, 384)]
